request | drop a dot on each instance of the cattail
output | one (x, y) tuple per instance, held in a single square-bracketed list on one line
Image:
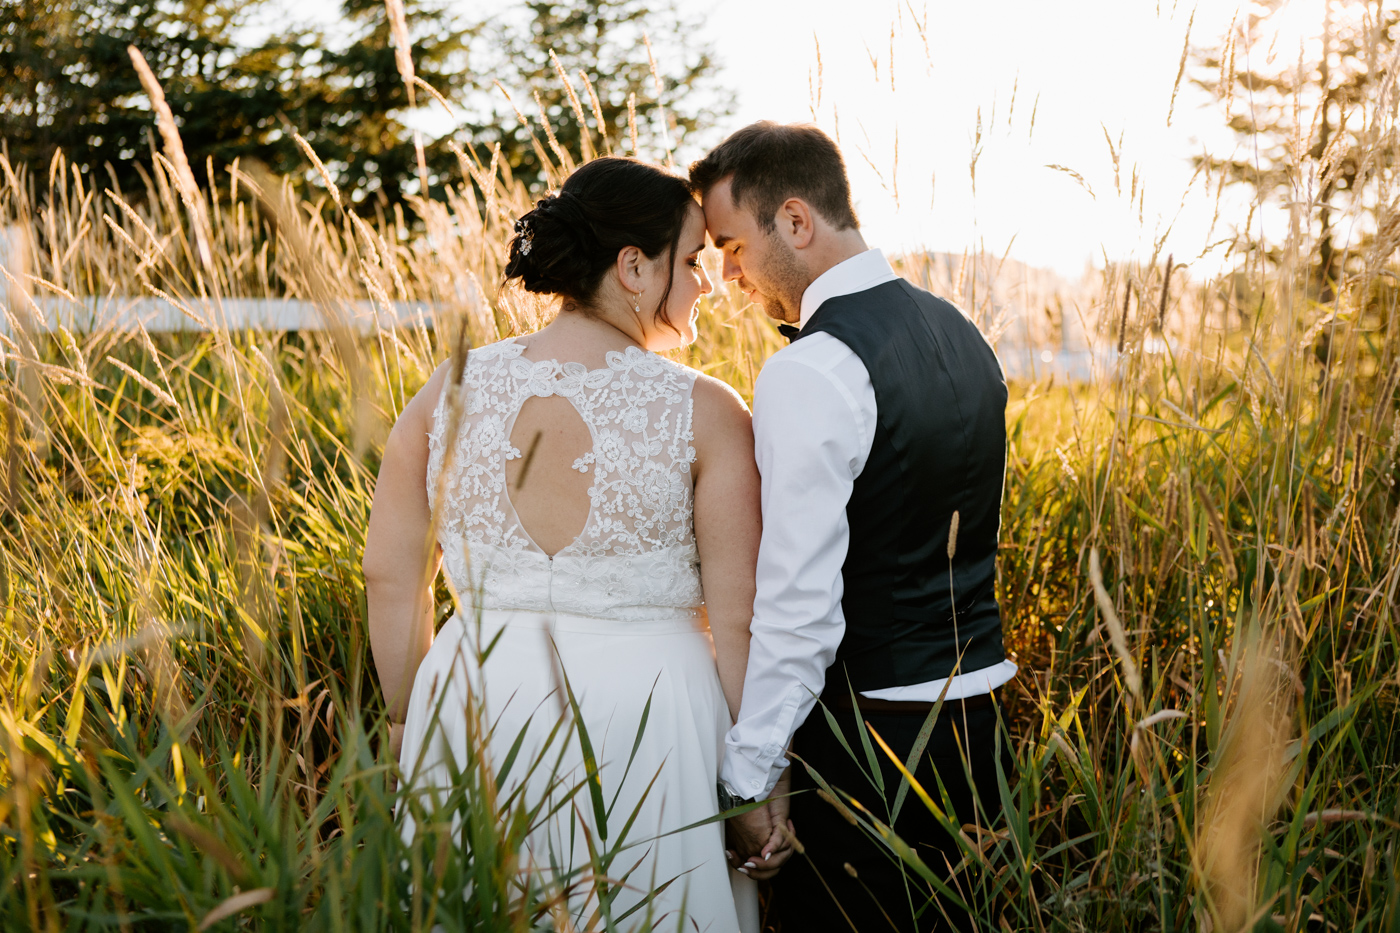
[(953, 537), (1358, 460)]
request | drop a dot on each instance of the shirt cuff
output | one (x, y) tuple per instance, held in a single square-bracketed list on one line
[(751, 770), (751, 779)]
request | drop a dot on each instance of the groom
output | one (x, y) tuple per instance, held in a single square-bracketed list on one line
[(881, 423)]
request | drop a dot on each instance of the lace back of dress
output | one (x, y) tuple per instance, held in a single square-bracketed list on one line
[(638, 411)]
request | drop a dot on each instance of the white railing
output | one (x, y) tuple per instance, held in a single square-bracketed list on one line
[(49, 312), (158, 315)]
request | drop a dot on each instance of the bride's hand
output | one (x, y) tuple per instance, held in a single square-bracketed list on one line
[(782, 840), (776, 851)]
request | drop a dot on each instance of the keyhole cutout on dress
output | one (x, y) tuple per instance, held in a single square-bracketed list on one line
[(552, 502)]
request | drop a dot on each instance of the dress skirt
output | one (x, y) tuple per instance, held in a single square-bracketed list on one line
[(619, 673)]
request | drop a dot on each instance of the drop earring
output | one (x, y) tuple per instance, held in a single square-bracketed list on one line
[(637, 303)]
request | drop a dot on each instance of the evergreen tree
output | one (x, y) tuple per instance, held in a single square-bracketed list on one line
[(354, 117), (71, 87)]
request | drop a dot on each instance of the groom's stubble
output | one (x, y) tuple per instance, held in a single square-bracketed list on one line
[(780, 279)]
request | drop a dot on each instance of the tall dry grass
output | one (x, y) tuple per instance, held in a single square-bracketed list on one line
[(1199, 578)]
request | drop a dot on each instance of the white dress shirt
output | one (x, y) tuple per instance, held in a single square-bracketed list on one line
[(813, 423)]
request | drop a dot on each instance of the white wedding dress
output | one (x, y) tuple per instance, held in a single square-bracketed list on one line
[(616, 613)]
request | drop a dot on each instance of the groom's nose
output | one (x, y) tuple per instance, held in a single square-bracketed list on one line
[(732, 270)]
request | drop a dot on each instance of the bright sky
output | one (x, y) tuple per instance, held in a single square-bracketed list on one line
[(1085, 69), (1089, 71)]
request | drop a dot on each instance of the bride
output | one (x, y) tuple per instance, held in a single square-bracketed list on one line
[(597, 509)]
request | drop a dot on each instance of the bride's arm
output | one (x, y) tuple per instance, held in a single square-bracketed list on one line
[(727, 525), (399, 561)]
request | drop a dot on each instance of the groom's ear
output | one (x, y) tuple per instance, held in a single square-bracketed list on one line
[(796, 222)]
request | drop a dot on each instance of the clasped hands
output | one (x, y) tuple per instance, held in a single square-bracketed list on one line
[(760, 841)]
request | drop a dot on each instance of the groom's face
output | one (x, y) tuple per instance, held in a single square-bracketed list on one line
[(761, 262)]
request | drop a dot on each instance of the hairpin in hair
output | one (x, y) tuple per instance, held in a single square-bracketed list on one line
[(525, 235)]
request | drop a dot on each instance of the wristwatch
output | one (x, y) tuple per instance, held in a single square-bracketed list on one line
[(728, 800)]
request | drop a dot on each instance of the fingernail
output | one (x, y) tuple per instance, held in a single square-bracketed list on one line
[(728, 853), (749, 864), (742, 871)]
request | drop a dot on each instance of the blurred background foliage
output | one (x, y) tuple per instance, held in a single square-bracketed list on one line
[(240, 87)]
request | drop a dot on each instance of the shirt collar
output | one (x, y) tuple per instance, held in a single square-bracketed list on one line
[(860, 272)]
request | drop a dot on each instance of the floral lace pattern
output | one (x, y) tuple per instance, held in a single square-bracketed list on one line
[(636, 553)]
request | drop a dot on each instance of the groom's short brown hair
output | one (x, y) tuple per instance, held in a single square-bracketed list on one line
[(770, 162)]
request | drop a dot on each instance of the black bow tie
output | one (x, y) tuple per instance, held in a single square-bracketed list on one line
[(788, 331)]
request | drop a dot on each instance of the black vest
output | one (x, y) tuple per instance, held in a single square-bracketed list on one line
[(939, 447)]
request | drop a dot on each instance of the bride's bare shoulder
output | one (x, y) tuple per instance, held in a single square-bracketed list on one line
[(720, 415), (716, 394)]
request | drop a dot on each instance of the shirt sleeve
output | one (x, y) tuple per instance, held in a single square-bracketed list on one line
[(808, 441)]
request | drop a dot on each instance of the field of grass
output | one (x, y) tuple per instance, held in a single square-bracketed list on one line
[(1198, 577)]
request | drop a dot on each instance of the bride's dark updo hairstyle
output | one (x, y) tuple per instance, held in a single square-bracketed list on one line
[(571, 239)]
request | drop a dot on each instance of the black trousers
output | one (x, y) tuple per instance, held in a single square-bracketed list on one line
[(848, 881)]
